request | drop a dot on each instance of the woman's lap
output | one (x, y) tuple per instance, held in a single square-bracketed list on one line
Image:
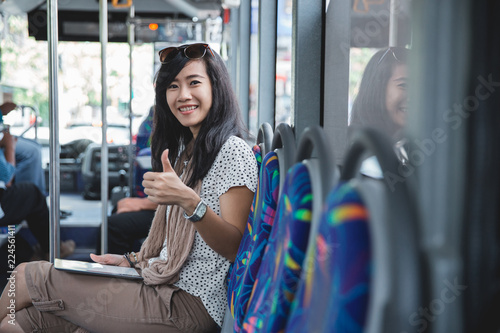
[(101, 304)]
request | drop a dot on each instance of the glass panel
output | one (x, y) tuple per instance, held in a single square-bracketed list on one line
[(254, 69), (378, 74), (283, 63)]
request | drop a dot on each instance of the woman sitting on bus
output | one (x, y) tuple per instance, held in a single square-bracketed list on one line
[(382, 99), (203, 180)]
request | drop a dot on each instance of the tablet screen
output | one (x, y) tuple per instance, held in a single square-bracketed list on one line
[(94, 268)]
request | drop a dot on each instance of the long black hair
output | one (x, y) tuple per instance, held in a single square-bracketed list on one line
[(222, 121), (369, 106)]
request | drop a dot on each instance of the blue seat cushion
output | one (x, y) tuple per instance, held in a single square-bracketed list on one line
[(281, 266), (333, 294), (251, 251)]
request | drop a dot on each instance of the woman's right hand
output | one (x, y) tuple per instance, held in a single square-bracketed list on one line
[(166, 188), (110, 259)]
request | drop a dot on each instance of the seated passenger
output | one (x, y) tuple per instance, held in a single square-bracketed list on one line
[(24, 201), (204, 180), (28, 156), (129, 224)]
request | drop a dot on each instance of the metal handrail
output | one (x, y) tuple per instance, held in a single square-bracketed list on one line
[(103, 36), (35, 124), (54, 181)]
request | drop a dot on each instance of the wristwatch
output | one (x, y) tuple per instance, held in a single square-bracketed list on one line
[(198, 213)]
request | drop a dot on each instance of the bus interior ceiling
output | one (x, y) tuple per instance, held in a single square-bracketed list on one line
[(79, 19), (173, 8)]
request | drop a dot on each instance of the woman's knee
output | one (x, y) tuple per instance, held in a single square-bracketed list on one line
[(8, 325), (20, 271), (21, 288)]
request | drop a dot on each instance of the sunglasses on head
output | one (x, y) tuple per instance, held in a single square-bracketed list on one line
[(190, 51), (389, 51)]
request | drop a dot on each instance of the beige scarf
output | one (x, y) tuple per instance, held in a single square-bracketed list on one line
[(179, 233)]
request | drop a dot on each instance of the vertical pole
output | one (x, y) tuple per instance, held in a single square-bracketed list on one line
[(233, 49), (244, 59), (54, 189), (393, 24), (103, 34), (131, 40), (267, 61)]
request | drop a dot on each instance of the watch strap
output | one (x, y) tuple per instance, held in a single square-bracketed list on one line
[(198, 213)]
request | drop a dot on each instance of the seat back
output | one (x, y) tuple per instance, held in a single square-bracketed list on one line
[(142, 164), (251, 249), (238, 266), (243, 250), (318, 156), (397, 288), (284, 252), (265, 138), (333, 292), (250, 253), (366, 271), (281, 266), (284, 146)]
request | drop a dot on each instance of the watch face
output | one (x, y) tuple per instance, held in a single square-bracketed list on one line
[(200, 211)]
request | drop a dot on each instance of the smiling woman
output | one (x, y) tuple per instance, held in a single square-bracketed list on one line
[(189, 96), (382, 99), (203, 180)]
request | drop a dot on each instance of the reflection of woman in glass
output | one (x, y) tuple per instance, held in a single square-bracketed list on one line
[(382, 100)]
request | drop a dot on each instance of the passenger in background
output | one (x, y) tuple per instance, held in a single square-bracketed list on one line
[(129, 224), (24, 201), (28, 156), (204, 180), (382, 100)]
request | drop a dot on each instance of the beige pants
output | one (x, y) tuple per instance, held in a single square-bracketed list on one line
[(67, 302)]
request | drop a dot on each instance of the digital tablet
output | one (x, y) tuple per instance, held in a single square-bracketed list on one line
[(94, 268)]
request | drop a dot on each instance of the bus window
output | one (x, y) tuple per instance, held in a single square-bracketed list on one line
[(283, 63), (376, 26), (254, 69)]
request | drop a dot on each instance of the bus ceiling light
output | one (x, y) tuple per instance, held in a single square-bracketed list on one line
[(195, 19), (153, 26), (116, 4)]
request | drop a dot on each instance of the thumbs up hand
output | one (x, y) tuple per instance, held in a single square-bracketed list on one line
[(166, 188), (167, 167)]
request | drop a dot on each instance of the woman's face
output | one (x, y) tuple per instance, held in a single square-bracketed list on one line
[(189, 96), (396, 98)]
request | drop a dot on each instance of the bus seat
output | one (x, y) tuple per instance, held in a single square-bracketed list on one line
[(142, 164), (281, 266), (242, 254), (258, 226), (237, 266), (265, 138), (284, 145), (322, 170), (397, 289), (250, 254), (333, 292), (284, 252)]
